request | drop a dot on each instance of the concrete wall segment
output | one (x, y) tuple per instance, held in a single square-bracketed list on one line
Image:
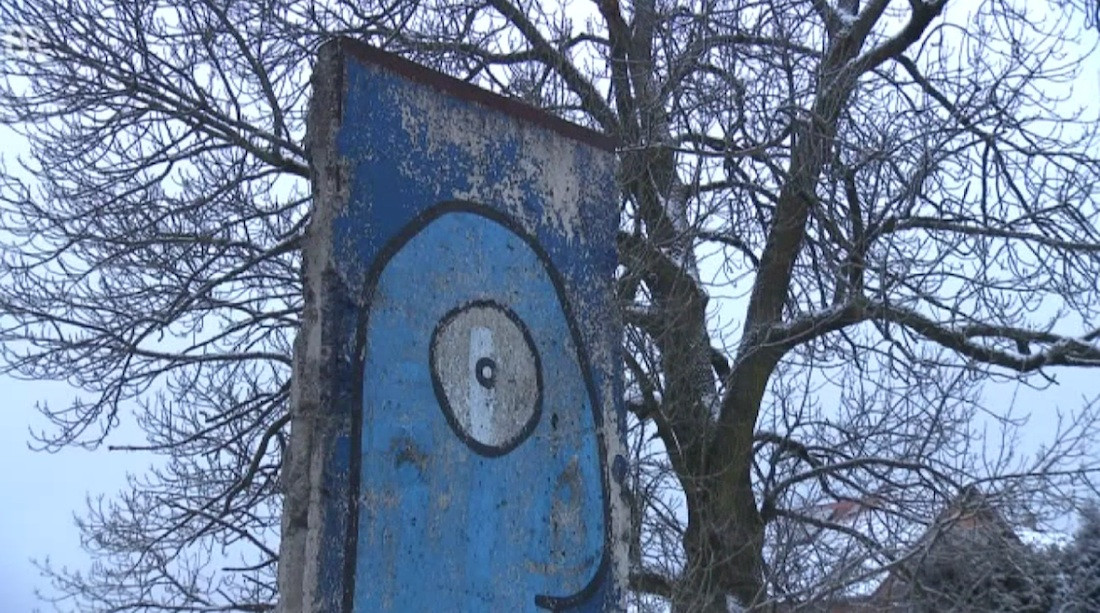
[(417, 174)]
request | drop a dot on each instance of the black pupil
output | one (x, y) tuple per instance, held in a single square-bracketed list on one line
[(486, 372)]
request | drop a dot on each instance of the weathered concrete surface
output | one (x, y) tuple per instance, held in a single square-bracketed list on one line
[(313, 424), (456, 426)]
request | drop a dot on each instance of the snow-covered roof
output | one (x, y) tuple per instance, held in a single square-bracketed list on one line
[(848, 550)]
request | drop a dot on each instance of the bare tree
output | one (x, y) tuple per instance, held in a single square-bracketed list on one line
[(840, 219), (150, 259)]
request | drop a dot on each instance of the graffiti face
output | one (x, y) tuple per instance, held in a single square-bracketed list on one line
[(487, 376), (480, 479)]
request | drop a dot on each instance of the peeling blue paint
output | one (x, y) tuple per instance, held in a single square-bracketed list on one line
[(474, 402)]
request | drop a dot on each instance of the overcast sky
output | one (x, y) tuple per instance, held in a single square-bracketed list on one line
[(42, 491)]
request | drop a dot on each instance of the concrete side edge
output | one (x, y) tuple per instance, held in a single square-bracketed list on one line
[(303, 520)]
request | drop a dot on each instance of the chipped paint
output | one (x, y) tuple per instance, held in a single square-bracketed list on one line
[(457, 436)]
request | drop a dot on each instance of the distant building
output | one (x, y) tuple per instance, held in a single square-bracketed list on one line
[(968, 559)]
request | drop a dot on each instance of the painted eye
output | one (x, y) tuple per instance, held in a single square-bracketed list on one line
[(487, 377)]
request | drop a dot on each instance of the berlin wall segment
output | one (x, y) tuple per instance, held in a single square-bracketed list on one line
[(456, 440)]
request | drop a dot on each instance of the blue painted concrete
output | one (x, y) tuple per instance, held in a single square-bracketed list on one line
[(439, 203), (440, 525)]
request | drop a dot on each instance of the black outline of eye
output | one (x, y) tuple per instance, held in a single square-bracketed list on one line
[(480, 448), (349, 555)]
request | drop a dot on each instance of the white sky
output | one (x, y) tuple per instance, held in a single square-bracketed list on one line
[(41, 492)]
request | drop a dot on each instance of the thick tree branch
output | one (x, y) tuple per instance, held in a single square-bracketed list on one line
[(590, 99)]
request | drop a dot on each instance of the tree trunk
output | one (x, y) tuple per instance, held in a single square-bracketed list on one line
[(723, 542)]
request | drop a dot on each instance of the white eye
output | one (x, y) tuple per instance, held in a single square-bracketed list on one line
[(486, 375)]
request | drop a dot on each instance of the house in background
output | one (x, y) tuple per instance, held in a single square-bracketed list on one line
[(967, 559)]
